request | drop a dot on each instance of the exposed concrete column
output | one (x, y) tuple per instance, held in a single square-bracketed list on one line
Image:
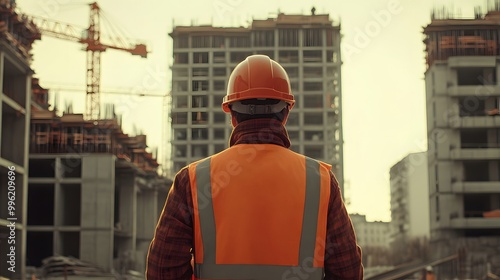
[(97, 214), (2, 63), (128, 206), (147, 205)]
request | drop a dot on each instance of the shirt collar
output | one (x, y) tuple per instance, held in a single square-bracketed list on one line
[(260, 131)]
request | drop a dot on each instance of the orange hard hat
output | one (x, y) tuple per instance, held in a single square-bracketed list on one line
[(258, 77)]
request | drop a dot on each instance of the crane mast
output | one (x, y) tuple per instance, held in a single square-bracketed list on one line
[(94, 47)]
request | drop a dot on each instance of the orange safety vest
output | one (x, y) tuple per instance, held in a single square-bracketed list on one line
[(260, 212)]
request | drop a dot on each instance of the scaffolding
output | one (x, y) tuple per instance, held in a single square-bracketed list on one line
[(70, 133), (446, 38)]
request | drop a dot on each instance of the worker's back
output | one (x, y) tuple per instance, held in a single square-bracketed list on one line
[(265, 201)]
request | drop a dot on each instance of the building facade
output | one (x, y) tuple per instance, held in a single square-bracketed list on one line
[(16, 37), (463, 127), (371, 234), (409, 186), (307, 46)]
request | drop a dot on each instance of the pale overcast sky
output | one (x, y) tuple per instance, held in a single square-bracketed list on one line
[(382, 73)]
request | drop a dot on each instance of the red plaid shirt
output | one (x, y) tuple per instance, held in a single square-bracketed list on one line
[(169, 254)]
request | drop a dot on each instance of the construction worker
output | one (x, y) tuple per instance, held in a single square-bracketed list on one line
[(428, 274), (256, 210)]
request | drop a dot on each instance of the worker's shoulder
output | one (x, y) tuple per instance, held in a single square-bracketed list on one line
[(321, 163)]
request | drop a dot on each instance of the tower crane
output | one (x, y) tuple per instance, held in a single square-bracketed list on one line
[(92, 39)]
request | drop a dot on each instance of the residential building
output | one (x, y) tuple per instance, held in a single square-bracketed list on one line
[(463, 129), (371, 234), (307, 46), (410, 198), (16, 37)]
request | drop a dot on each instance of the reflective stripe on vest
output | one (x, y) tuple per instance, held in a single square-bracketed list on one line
[(210, 270)]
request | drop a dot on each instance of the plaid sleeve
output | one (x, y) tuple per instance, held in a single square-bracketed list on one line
[(343, 255), (169, 255)]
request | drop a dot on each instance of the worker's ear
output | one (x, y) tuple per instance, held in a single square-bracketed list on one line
[(286, 113), (234, 122)]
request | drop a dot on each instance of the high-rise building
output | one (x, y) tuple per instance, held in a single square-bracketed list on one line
[(307, 46), (410, 198), (463, 126)]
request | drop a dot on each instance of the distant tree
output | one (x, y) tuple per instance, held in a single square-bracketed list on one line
[(406, 250), (376, 256)]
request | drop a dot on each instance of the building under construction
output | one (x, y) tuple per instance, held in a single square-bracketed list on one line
[(463, 126), (94, 193), (16, 37), (87, 196), (307, 46)]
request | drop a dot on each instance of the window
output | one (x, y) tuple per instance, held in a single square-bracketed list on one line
[(181, 58), (220, 72), (199, 151), (199, 117), (288, 37), (294, 135), (476, 76), (288, 56), (180, 86), (314, 151), (313, 118), (270, 54), (293, 72), (476, 171), (179, 73), (200, 72), (199, 134), (472, 106), (180, 101), (313, 72), (312, 56), (219, 57), (264, 38), (237, 57), (70, 196), (313, 86), (332, 56), (217, 99), (200, 41), (313, 101), (218, 42), (219, 85), (199, 85), (181, 41), (219, 117), (199, 101), (474, 138), (312, 38), (239, 42), (316, 135), (179, 118), (200, 57), (219, 148), (293, 119), (180, 134), (219, 133)]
